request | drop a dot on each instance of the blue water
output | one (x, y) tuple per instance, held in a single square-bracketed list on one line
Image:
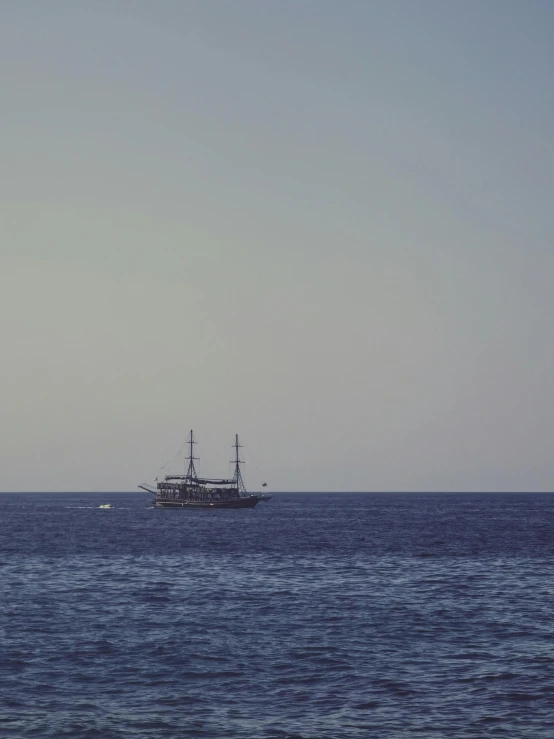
[(311, 616)]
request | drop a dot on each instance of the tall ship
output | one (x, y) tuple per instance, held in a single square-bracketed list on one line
[(192, 491)]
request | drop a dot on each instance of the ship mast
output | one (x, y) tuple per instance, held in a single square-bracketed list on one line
[(237, 478), (191, 472)]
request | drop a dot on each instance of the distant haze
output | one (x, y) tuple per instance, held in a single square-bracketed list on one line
[(327, 226)]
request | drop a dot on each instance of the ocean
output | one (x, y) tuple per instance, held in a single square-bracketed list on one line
[(312, 616)]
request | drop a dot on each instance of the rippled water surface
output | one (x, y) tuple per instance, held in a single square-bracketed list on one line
[(311, 616)]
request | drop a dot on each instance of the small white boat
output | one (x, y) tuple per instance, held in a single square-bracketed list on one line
[(105, 505)]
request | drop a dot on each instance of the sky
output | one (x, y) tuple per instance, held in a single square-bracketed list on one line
[(325, 226)]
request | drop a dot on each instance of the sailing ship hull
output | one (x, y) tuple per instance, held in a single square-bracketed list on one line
[(247, 502)]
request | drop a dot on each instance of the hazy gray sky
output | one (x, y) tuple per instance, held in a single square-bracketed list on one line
[(325, 225)]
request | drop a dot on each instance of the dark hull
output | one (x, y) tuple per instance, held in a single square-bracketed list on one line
[(247, 502)]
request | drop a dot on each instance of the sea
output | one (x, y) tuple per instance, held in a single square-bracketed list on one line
[(311, 616)]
